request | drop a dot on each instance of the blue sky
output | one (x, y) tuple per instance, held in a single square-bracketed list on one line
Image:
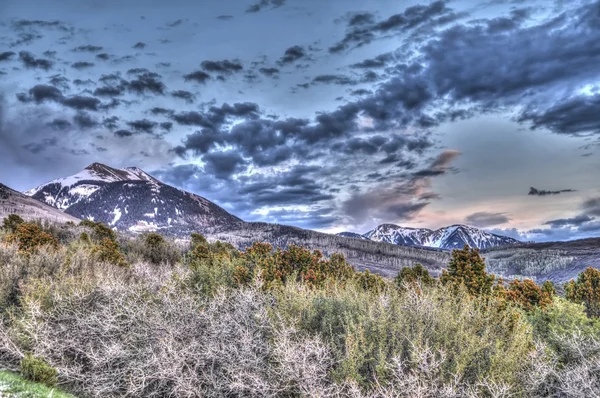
[(332, 115)]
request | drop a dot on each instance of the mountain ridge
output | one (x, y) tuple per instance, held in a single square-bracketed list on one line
[(451, 237)]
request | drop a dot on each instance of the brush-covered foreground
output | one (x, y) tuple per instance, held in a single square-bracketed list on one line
[(104, 316)]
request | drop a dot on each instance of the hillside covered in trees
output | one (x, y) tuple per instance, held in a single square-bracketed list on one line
[(104, 315)]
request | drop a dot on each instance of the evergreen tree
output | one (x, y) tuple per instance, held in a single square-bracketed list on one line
[(586, 290), (467, 267)]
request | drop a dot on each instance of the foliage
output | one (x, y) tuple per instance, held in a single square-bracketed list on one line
[(11, 222), (29, 237), (527, 295), (586, 290), (549, 289), (13, 385), (414, 276), (108, 251), (100, 230), (468, 268), (36, 369)]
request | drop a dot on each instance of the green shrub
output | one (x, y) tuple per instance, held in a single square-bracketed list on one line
[(467, 268), (100, 230), (36, 369), (108, 251), (586, 290), (11, 223), (415, 275), (30, 237)]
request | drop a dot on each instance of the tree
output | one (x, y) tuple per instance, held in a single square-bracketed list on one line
[(467, 267), (528, 295), (11, 223), (30, 237), (548, 287), (415, 275), (586, 290)]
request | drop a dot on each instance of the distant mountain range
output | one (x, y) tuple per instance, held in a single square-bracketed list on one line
[(451, 237)]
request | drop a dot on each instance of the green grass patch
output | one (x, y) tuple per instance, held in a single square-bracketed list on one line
[(14, 386)]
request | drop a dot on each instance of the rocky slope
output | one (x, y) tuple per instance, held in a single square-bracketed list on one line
[(13, 202)]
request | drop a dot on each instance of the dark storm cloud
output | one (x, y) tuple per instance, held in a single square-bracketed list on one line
[(225, 17), (59, 81), (223, 164), (271, 72), (6, 56), (37, 147), (88, 48), (485, 219), (139, 45), (42, 93), (292, 55), (362, 28), (111, 122), (262, 4), (137, 71), (123, 133), (82, 102), (197, 76), (574, 116), (226, 66), (380, 61), (144, 125), (25, 39), (79, 82), (147, 83), (592, 207), (110, 91), (82, 65), (60, 124), (541, 192), (569, 222), (184, 95), (162, 111), (361, 91), (166, 126), (84, 120), (103, 56), (30, 61), (334, 79)]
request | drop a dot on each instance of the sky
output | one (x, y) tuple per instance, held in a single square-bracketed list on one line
[(335, 115)]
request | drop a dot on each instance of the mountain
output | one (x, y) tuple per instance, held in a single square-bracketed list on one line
[(132, 200), (13, 202), (351, 235), (452, 237)]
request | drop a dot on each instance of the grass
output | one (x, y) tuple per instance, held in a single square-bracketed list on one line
[(12, 385)]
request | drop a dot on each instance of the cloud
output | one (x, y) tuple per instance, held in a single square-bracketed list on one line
[(592, 207), (82, 65), (103, 56), (262, 4), (84, 120), (147, 83), (29, 61), (380, 61), (197, 76), (271, 72), (223, 164), (123, 133), (184, 95), (225, 17), (485, 219), (226, 66), (144, 125), (362, 28), (292, 55), (575, 116), (541, 192), (42, 93), (569, 222), (6, 56), (89, 48), (139, 45)]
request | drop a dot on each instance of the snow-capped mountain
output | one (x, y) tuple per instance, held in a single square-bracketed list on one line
[(452, 237), (131, 199), (351, 235), (13, 202)]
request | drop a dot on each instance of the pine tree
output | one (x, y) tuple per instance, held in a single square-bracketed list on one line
[(467, 268), (586, 290)]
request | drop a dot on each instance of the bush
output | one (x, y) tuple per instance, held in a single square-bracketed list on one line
[(36, 369), (416, 275), (586, 290), (468, 268), (528, 295), (100, 230), (108, 251), (29, 237), (11, 223)]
